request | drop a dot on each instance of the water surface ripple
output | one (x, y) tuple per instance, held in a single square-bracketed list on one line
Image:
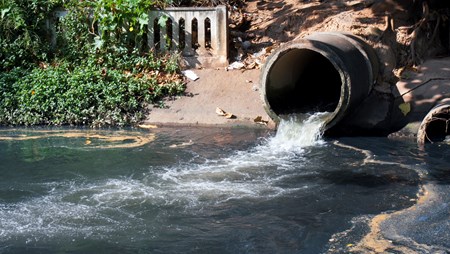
[(197, 190)]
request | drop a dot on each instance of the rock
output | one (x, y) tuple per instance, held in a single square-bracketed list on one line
[(246, 45)]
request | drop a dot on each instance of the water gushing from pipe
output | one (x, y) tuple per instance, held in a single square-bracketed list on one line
[(298, 131)]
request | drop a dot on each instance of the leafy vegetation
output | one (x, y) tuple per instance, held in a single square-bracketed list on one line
[(91, 93), (84, 65), (23, 33)]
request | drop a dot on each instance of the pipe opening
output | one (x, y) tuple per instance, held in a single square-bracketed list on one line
[(435, 127), (438, 128), (303, 81), (323, 72)]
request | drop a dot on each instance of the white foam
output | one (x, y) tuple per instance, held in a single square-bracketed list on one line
[(79, 209), (254, 173), (298, 131)]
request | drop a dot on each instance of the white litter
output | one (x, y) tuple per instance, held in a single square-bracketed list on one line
[(236, 66), (190, 75)]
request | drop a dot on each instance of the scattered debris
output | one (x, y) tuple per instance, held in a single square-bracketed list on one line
[(251, 61), (222, 112), (236, 66), (259, 120), (190, 75)]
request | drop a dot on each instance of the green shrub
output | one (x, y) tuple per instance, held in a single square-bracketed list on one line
[(98, 74), (88, 94), (24, 37)]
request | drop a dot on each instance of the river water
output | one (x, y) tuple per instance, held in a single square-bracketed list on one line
[(200, 190)]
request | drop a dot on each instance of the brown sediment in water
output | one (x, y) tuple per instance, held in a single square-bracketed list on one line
[(375, 242), (118, 139)]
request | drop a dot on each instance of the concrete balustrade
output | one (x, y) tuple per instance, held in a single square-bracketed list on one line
[(201, 34)]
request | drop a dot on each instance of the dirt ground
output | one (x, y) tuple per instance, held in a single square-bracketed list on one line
[(236, 92), (402, 44)]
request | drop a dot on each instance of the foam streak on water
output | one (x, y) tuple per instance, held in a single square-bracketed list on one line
[(103, 206), (254, 173)]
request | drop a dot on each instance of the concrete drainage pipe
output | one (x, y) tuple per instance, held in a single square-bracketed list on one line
[(435, 127), (330, 72)]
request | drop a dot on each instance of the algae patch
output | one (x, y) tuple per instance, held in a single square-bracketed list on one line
[(98, 139)]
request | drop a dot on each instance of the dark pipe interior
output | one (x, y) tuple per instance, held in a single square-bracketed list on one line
[(438, 128), (302, 81)]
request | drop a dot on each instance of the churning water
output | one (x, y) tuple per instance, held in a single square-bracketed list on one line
[(196, 190)]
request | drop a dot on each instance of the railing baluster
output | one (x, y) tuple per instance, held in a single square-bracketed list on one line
[(151, 32), (163, 37), (188, 36), (175, 34), (201, 34)]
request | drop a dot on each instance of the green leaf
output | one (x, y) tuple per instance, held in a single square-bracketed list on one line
[(143, 20), (98, 42), (162, 21), (405, 108), (4, 11)]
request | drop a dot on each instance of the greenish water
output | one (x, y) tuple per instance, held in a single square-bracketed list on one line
[(196, 190)]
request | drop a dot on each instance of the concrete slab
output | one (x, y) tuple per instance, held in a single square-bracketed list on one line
[(422, 89), (425, 87), (236, 92)]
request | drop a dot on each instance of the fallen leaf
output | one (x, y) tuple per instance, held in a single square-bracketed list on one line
[(43, 65), (104, 72), (147, 126), (251, 65), (87, 142), (220, 112), (405, 108), (260, 120), (229, 116)]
